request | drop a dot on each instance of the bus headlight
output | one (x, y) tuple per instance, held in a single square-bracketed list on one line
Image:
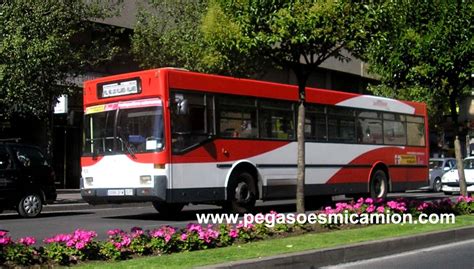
[(145, 180)]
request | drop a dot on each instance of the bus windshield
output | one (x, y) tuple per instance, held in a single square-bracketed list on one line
[(128, 130)]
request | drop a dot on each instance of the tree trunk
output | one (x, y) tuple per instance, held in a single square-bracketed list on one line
[(300, 179), (460, 166), (302, 76)]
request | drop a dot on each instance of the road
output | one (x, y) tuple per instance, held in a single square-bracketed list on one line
[(67, 218), (456, 255)]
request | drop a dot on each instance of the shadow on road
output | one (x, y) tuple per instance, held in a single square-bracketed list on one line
[(190, 214), (45, 215)]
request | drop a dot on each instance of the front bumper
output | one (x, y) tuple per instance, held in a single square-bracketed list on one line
[(454, 187), (96, 196)]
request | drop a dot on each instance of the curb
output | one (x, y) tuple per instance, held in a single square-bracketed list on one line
[(353, 252)]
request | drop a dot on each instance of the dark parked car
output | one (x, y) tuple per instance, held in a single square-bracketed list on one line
[(26, 179)]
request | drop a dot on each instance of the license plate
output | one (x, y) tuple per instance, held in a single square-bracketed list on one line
[(116, 192)]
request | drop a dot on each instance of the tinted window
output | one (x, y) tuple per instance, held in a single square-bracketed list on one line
[(415, 131), (369, 127), (29, 156), (141, 128), (5, 159), (341, 125), (276, 120), (435, 164), (194, 126), (315, 124), (469, 164), (99, 132), (394, 132), (237, 117)]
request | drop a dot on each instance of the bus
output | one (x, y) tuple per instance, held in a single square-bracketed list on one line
[(174, 137)]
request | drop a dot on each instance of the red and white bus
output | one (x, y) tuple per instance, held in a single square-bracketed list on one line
[(175, 137)]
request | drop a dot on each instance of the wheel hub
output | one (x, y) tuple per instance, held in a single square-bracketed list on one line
[(31, 205), (242, 192)]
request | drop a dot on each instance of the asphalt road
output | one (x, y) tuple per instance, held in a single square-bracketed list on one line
[(66, 218), (456, 255)]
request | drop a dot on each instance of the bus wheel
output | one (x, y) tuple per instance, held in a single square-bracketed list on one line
[(379, 185), (166, 209), (241, 193)]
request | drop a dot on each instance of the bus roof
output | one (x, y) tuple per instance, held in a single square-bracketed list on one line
[(182, 79)]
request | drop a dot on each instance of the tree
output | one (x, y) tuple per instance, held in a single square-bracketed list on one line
[(43, 44), (425, 53), (167, 34), (299, 35)]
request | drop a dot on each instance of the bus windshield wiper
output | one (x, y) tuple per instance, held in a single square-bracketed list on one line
[(127, 146)]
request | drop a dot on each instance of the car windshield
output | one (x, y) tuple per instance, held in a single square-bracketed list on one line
[(469, 164), (436, 164), (126, 129)]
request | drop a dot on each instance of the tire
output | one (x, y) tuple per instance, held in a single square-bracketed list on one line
[(168, 210), (437, 185), (241, 193), (30, 205), (378, 185)]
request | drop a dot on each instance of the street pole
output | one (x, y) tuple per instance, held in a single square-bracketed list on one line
[(460, 166)]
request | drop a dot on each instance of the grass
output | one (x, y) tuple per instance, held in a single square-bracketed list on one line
[(280, 246)]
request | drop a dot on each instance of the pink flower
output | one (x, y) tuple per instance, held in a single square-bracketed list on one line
[(80, 245), (3, 233), (125, 241), (392, 204), (27, 241), (115, 232), (194, 227), (5, 241), (184, 237), (233, 233), (380, 209), (369, 201), (422, 206), (370, 209)]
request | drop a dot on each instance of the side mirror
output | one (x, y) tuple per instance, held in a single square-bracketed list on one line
[(446, 169), (183, 107)]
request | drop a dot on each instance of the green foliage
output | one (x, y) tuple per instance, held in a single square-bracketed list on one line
[(167, 34), (299, 35), (424, 52), (43, 45), (62, 254), (110, 252), (19, 254)]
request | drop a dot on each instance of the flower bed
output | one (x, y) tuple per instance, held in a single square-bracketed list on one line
[(81, 245)]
